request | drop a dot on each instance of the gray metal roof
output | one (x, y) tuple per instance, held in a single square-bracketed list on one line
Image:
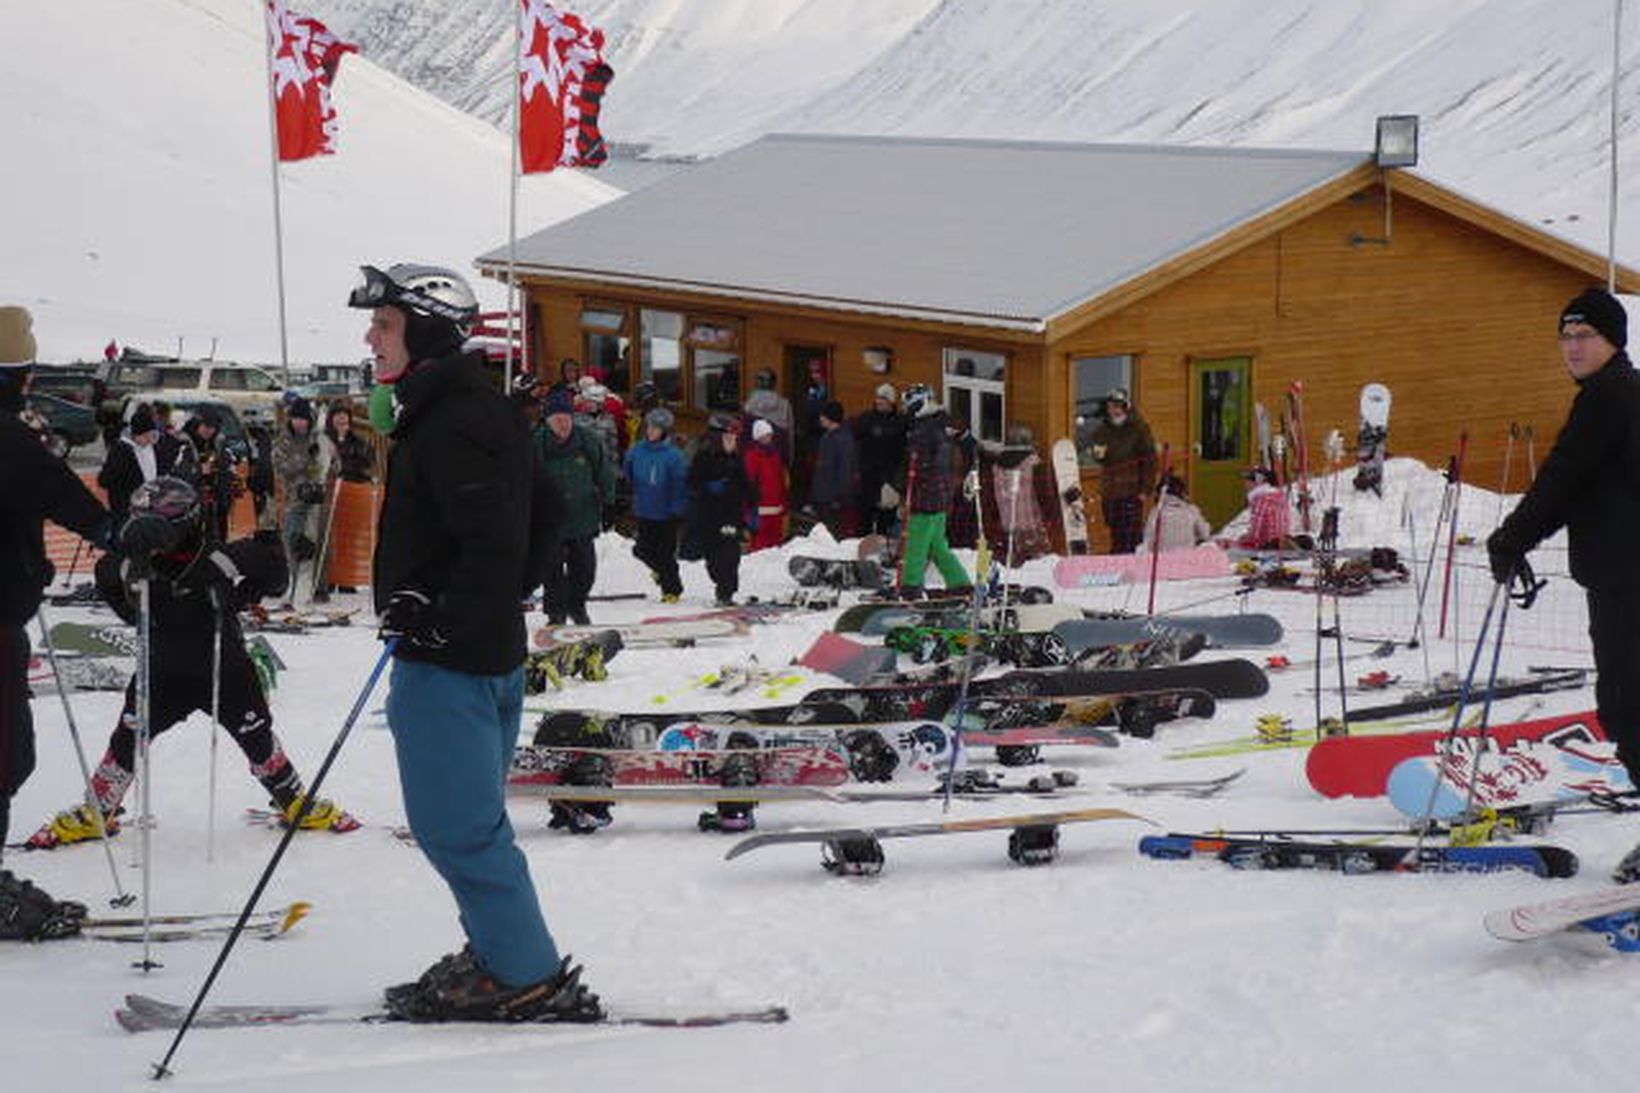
[(994, 232)]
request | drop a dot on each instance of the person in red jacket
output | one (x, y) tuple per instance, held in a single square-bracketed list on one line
[(766, 470)]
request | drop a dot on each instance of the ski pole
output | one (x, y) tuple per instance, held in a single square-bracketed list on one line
[(1486, 706), (1452, 531), (121, 897), (1156, 543), (145, 714), (162, 1068), (1508, 457), (1443, 749), (216, 724)]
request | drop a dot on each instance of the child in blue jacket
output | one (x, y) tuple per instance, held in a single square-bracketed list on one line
[(658, 475)]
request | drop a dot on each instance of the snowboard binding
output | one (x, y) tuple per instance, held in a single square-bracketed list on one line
[(1034, 845), (852, 857)]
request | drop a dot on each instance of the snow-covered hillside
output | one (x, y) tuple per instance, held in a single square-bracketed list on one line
[(136, 185), (1512, 93)]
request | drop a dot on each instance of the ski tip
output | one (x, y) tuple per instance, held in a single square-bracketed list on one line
[(295, 913)]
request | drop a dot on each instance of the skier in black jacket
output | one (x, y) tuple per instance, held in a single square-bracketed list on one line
[(34, 485), (720, 497), (1590, 485), (196, 589), (880, 437), (459, 535)]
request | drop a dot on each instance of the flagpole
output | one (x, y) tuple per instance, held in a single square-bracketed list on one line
[(512, 193), (278, 221), (1611, 198)]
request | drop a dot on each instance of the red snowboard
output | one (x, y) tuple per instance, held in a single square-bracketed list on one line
[(1359, 766)]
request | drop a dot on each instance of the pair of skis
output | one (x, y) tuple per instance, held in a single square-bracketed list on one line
[(144, 1014)]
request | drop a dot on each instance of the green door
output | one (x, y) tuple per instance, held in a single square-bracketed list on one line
[(1221, 435)]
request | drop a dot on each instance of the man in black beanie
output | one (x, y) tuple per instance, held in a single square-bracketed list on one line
[(1590, 485)]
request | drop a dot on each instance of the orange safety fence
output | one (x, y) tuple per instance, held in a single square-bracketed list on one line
[(73, 556), (353, 533)]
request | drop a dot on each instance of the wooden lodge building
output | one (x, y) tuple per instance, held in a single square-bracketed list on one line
[(1024, 280)]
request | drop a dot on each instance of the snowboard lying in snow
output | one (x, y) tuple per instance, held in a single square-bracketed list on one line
[(1275, 851), (536, 767), (1360, 766), (1033, 837), (1221, 631), (1530, 773)]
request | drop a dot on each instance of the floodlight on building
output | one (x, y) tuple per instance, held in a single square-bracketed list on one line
[(878, 359), (1397, 144)]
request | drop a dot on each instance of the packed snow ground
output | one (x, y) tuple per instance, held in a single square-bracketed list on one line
[(954, 969)]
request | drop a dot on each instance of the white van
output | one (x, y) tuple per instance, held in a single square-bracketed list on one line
[(253, 392)]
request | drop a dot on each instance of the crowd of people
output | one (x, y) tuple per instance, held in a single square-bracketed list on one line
[(484, 502)]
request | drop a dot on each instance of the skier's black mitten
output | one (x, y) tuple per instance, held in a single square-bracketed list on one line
[(1505, 558), (410, 617), (145, 534)]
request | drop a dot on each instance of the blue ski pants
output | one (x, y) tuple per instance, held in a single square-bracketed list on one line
[(454, 734)]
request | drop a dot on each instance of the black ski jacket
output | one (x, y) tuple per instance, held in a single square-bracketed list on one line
[(182, 624), (462, 514), (36, 485), (1589, 484)]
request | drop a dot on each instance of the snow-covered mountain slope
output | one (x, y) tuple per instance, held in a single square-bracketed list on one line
[(137, 202), (1513, 93)]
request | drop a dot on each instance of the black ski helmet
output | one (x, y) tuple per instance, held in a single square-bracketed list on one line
[(171, 498), (438, 304)]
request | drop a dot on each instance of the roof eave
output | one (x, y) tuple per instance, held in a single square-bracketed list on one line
[(880, 308)]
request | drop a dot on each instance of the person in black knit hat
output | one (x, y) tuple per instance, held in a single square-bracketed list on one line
[(1590, 485), (34, 486)]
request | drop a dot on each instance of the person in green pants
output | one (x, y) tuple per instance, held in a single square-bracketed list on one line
[(930, 481)]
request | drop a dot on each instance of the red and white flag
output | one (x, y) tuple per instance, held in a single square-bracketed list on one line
[(562, 77), (305, 56)]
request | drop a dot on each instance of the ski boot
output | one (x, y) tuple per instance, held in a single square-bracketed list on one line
[(76, 825), (28, 914), (458, 988), (323, 816)]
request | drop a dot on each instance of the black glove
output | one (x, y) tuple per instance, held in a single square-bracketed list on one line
[(1505, 558), (145, 534), (310, 493), (409, 616), (213, 574)]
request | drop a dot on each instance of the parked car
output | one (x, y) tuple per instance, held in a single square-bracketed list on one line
[(70, 384), (333, 381), (70, 422), (253, 392)]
